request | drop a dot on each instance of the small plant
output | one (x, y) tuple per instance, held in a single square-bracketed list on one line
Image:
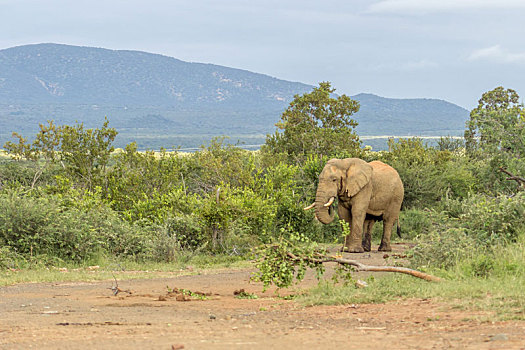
[(481, 265), (242, 294), (195, 295)]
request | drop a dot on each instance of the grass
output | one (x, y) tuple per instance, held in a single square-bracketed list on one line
[(499, 290), (122, 270), (503, 296)]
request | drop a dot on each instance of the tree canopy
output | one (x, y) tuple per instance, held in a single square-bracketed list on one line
[(496, 131), (496, 125), (316, 123)]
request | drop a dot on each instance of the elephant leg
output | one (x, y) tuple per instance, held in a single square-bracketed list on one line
[(388, 224), (353, 242), (367, 235)]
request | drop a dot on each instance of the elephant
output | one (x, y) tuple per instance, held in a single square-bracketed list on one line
[(367, 192)]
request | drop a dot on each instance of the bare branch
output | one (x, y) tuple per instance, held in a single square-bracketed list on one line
[(362, 267), (520, 180)]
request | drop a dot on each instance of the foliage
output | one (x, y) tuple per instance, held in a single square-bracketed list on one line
[(489, 220), (469, 228), (415, 222), (451, 144), (496, 132), (275, 266), (221, 162), (497, 124), (83, 153), (67, 198), (429, 174), (316, 123), (53, 226), (16, 174)]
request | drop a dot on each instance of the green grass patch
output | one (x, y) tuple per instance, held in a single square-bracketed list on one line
[(503, 296), (493, 282), (123, 270)]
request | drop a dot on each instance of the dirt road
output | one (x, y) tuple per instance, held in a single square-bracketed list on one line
[(89, 316)]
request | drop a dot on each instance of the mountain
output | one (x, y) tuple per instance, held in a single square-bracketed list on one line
[(162, 101), (420, 116), (51, 73)]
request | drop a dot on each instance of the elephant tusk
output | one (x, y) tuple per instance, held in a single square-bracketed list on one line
[(309, 207), (329, 203)]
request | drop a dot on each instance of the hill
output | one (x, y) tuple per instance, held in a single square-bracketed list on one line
[(420, 116), (162, 101)]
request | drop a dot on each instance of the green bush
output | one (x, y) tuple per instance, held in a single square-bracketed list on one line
[(470, 229), (428, 174), (441, 249), (185, 231), (167, 206), (9, 258), (33, 226), (487, 219), (414, 222), (480, 265), (15, 174)]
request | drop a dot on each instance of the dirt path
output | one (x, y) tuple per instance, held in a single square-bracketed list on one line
[(89, 316)]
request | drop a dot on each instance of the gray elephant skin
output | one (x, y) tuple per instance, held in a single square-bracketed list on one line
[(367, 192)]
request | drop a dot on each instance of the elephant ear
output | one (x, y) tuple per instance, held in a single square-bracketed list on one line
[(358, 176)]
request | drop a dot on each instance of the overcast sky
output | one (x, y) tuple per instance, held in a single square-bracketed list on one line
[(447, 49)]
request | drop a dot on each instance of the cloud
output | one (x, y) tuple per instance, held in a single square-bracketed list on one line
[(430, 6), (497, 54)]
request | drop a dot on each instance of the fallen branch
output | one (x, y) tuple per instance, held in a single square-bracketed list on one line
[(115, 289), (520, 180), (362, 267)]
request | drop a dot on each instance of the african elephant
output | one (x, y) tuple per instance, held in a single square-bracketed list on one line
[(367, 192)]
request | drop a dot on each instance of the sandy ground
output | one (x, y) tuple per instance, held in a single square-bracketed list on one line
[(88, 316)]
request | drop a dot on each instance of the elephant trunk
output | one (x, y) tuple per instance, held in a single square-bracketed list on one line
[(324, 212)]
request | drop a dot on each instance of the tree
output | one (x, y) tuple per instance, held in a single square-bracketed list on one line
[(42, 152), (496, 126), (86, 152), (83, 153), (316, 123), (496, 130)]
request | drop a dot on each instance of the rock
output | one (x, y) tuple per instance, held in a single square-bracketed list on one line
[(361, 284), (499, 337)]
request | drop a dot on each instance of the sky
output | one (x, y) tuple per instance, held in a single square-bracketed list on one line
[(447, 49)]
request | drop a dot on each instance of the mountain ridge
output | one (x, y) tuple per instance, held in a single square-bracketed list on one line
[(149, 97), (72, 74)]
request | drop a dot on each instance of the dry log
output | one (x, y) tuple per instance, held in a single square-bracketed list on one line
[(362, 267)]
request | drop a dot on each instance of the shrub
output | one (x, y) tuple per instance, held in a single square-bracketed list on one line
[(33, 226), (9, 258), (428, 174), (470, 230), (414, 222), (441, 249), (489, 220), (479, 265), (184, 232)]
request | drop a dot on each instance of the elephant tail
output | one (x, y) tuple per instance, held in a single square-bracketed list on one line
[(398, 230)]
